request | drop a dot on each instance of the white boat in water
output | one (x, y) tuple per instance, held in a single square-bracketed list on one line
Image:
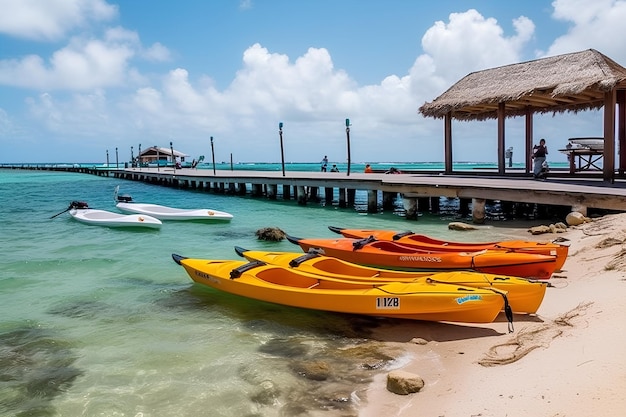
[(125, 204), (96, 217)]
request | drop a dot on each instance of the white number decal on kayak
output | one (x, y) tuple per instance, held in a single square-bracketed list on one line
[(387, 303), (413, 258)]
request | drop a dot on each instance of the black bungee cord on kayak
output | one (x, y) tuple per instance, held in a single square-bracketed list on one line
[(507, 312), (362, 242)]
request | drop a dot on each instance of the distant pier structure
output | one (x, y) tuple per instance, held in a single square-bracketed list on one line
[(419, 192)]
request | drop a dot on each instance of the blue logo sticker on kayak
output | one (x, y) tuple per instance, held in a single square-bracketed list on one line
[(470, 297)]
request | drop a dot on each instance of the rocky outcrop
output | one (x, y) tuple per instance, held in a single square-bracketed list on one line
[(404, 383), (460, 226), (575, 219), (273, 234)]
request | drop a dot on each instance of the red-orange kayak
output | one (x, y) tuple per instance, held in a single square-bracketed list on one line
[(391, 255), (424, 242)]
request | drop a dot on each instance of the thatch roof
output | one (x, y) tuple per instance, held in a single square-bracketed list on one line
[(569, 82)]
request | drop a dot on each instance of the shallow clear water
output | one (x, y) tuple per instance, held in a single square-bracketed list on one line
[(99, 321)]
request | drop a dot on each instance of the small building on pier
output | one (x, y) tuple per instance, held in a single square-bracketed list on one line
[(164, 156)]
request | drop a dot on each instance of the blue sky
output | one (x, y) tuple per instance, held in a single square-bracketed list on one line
[(80, 77)]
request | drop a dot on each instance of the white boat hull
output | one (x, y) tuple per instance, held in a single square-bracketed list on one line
[(596, 144), (171, 213), (110, 219)]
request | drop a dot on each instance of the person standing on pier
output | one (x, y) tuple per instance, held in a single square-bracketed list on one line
[(324, 163), (539, 154)]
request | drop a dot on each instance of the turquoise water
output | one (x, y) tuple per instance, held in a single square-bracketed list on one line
[(99, 321)]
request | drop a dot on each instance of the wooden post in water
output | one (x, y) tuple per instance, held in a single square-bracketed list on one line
[(434, 204), (410, 206), (351, 197), (348, 140), (173, 157), (372, 201), (301, 195), (478, 210), (282, 151), (342, 197), (423, 203), (328, 195), (213, 154), (272, 191), (388, 200)]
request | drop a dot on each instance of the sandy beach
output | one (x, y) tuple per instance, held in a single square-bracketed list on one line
[(565, 361)]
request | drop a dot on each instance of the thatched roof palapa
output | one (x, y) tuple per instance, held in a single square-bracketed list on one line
[(569, 82)]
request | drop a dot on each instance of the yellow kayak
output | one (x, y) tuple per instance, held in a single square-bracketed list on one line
[(286, 286), (524, 296)]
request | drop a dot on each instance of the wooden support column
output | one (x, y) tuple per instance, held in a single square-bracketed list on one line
[(609, 136), (621, 130), (389, 199), (272, 191), (301, 195), (410, 206), (242, 188), (464, 206), (447, 132), (286, 192), (342, 197), (582, 209), (372, 201), (313, 194), (423, 203), (232, 188), (501, 136), (478, 210), (257, 190), (529, 140), (350, 196), (434, 204), (328, 195)]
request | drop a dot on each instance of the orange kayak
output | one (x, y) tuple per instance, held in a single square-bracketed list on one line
[(525, 296), (391, 255), (409, 238)]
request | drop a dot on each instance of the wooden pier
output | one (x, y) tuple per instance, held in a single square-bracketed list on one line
[(418, 191)]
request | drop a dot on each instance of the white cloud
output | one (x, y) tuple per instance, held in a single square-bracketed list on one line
[(595, 24), (245, 4), (82, 65), (51, 19), (156, 52), (470, 42)]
